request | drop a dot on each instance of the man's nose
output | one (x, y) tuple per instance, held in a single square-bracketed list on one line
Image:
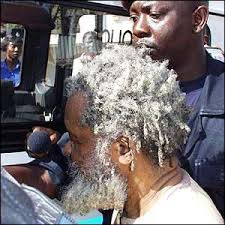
[(142, 28), (16, 49)]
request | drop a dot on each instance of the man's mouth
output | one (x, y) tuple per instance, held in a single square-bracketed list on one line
[(145, 46), (144, 42), (147, 50)]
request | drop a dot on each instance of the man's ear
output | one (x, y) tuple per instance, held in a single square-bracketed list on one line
[(199, 18), (123, 145), (125, 154)]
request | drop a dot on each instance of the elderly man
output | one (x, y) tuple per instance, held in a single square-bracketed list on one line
[(174, 30), (10, 67), (126, 119)]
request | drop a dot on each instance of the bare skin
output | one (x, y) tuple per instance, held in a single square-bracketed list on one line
[(34, 176)]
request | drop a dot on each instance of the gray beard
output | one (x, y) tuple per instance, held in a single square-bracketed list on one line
[(100, 187)]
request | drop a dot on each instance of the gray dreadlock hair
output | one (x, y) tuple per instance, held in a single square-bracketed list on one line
[(128, 93)]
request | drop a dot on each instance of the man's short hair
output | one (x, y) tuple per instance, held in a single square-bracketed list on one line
[(11, 39), (127, 3)]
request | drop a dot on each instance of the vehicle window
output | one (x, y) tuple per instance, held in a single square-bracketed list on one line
[(12, 49), (80, 34), (12, 42), (66, 37)]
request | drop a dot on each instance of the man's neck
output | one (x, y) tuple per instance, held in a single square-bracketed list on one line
[(193, 67), (146, 185), (11, 63)]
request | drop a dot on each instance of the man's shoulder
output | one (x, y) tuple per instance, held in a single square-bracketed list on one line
[(4, 70), (214, 85), (197, 202), (188, 190), (215, 67)]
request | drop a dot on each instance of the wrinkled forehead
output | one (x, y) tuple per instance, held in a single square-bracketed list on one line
[(75, 107)]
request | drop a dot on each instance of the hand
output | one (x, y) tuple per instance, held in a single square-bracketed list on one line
[(54, 135)]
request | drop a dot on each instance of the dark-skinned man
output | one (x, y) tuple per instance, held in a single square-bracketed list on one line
[(10, 67), (174, 30)]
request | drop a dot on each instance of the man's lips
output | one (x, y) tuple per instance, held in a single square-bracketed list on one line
[(145, 42), (149, 50), (145, 45)]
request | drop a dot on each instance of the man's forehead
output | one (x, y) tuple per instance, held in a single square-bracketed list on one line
[(75, 104), (15, 44), (150, 4), (78, 97)]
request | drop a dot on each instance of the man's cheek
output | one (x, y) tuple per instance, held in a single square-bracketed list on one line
[(82, 160), (67, 150)]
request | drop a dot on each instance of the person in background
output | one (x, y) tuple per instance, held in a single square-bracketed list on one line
[(48, 171), (90, 42), (174, 30), (90, 45), (11, 66)]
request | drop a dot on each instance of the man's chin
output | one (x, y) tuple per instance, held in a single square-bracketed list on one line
[(84, 195), (15, 57), (154, 54)]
